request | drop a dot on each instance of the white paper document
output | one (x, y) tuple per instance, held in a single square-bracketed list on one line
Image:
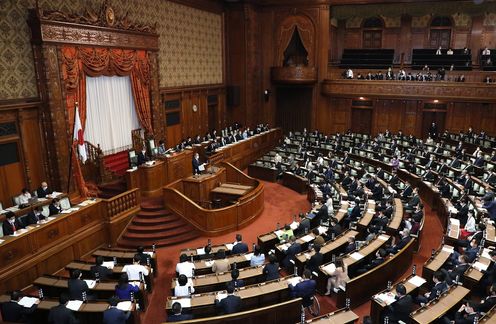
[(480, 266), (229, 246), (108, 264), (307, 238), (386, 298), (356, 255), (248, 256), (417, 281), (185, 302), (74, 305), (294, 225), (200, 251), (447, 248), (293, 281), (28, 301), (209, 263), (330, 268), (91, 283), (125, 306)]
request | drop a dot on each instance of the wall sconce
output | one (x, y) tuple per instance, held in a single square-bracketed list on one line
[(267, 93)]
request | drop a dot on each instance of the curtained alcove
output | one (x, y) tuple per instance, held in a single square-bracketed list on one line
[(68, 47)]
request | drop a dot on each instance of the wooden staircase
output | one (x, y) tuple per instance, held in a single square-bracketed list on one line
[(155, 224)]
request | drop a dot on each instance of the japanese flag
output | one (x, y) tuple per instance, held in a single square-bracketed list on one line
[(78, 137)]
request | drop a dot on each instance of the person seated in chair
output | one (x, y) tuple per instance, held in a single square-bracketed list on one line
[(113, 315), (184, 287), (35, 216), (239, 245), (304, 289), (440, 286), (98, 271), (399, 310), (231, 303), (15, 313), (177, 315), (11, 224), (54, 207), (43, 190)]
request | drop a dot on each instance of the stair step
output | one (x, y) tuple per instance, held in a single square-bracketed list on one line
[(132, 244), (156, 235), (155, 213), (138, 228), (153, 221)]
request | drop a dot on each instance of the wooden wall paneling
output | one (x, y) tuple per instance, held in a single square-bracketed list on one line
[(57, 261), (268, 111), (341, 36), (236, 59), (33, 147), (488, 116), (476, 37), (19, 280), (460, 37), (488, 37), (409, 120), (158, 111), (405, 39), (353, 38)]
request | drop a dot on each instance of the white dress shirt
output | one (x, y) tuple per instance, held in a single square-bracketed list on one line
[(133, 271)]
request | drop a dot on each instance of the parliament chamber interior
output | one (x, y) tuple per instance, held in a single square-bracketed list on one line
[(247, 161)]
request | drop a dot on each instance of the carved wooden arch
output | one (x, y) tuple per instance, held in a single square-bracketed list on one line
[(306, 29)]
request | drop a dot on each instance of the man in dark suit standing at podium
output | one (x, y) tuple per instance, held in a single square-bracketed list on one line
[(196, 164)]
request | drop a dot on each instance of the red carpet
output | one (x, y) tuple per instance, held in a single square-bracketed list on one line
[(280, 205), (117, 162)]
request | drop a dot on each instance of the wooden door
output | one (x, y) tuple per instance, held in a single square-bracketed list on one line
[(428, 117), (294, 108), (361, 120), (440, 37), (212, 117), (372, 39)]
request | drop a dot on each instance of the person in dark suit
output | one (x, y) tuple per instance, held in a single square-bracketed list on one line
[(377, 192), (304, 225), (98, 271), (407, 192), (315, 260), (11, 224), (271, 269), (239, 246), (142, 158), (113, 315), (440, 286), (43, 190), (487, 303), (353, 215), (13, 312), (433, 131), (196, 164), (292, 250), (403, 241), (466, 314), (60, 313), (351, 246), (456, 274), (35, 216), (304, 289), (177, 316), (231, 303), (77, 286), (54, 207), (479, 161), (380, 256), (401, 308), (237, 283), (334, 228)]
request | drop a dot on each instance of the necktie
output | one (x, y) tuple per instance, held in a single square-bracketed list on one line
[(13, 226)]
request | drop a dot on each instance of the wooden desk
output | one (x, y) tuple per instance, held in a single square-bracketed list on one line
[(124, 256), (214, 282), (202, 305), (198, 188), (294, 182), (149, 179), (435, 262), (230, 192), (342, 316), (433, 311), (262, 172)]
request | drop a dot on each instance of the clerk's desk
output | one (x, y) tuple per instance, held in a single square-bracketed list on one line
[(150, 178), (198, 187)]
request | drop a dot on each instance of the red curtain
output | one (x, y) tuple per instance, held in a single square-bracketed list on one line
[(78, 62)]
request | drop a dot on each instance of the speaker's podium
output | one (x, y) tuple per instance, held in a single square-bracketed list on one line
[(198, 187)]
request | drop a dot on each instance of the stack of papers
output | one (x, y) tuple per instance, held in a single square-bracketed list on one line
[(307, 238), (279, 233), (417, 281), (74, 305), (386, 298), (91, 283), (294, 225), (383, 237), (330, 268), (248, 256), (447, 248), (200, 251), (125, 306), (356, 255), (294, 281), (284, 246), (28, 301), (108, 264), (485, 253), (209, 263), (229, 246), (220, 296), (322, 229), (480, 266)]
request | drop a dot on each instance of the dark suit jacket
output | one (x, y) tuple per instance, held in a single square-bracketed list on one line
[(440, 288), (178, 318), (305, 290), (240, 247), (61, 315), (13, 312), (350, 248), (33, 219), (8, 229), (292, 250), (196, 166), (304, 223), (402, 243), (76, 288), (103, 272), (53, 210), (230, 304), (400, 309), (464, 318), (315, 261), (43, 193), (271, 271), (141, 158), (115, 316)]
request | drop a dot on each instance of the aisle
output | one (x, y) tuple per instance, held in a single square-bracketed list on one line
[(280, 205)]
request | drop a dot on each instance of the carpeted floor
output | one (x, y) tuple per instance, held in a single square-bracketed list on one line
[(281, 204)]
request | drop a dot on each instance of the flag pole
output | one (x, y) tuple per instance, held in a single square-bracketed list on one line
[(72, 146)]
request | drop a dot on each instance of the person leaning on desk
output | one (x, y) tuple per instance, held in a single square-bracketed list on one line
[(11, 224)]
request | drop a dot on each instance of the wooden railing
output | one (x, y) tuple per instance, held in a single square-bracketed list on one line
[(94, 168), (222, 220), (137, 139), (119, 211)]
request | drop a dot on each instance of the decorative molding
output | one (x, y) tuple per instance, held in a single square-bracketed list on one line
[(416, 90), (294, 75)]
